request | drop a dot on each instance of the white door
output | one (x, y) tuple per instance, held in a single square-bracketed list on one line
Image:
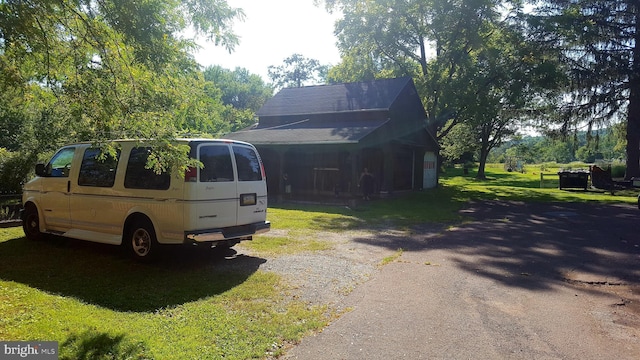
[(252, 186), (214, 201), (95, 210), (430, 173), (56, 190)]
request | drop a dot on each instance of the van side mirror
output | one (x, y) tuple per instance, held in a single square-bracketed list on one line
[(40, 170)]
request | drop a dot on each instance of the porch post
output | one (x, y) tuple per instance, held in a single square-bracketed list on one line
[(355, 171), (389, 168), (281, 182)]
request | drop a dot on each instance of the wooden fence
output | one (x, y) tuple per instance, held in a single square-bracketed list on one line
[(550, 180)]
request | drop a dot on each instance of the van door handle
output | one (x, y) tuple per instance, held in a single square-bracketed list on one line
[(69, 186)]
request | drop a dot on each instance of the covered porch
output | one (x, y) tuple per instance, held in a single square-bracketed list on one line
[(334, 170)]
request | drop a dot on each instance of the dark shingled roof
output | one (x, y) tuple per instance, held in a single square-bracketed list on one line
[(309, 132), (368, 95), (327, 114)]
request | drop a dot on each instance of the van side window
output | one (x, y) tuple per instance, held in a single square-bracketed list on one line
[(139, 177), (248, 164), (217, 163), (97, 172), (60, 163)]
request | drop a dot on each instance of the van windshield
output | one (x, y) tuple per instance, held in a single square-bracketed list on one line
[(60, 163)]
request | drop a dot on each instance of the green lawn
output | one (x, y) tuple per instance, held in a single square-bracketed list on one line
[(99, 305), (208, 305), (503, 185)]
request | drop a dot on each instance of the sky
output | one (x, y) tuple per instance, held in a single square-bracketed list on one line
[(272, 31)]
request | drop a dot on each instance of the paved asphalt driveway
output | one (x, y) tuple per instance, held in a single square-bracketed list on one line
[(520, 281)]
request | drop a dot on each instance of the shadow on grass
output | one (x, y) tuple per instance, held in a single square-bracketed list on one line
[(533, 245), (401, 210), (92, 345), (515, 180), (104, 276)]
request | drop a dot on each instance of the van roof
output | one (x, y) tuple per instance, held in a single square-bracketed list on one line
[(177, 139)]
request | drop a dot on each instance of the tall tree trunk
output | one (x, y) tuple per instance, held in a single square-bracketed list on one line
[(481, 166), (484, 154), (633, 115)]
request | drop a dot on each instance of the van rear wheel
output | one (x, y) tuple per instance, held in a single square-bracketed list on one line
[(141, 240)]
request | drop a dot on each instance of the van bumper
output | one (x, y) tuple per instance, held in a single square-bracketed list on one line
[(233, 232)]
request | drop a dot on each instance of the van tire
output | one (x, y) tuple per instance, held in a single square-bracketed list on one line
[(141, 240), (31, 223), (226, 244)]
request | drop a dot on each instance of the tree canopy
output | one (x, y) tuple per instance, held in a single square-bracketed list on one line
[(98, 70), (297, 71), (470, 62), (242, 94), (597, 40)]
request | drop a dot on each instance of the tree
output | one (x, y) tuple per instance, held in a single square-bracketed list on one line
[(98, 70), (297, 71), (512, 81), (458, 143), (428, 40), (240, 89), (599, 43), (477, 72), (242, 93)]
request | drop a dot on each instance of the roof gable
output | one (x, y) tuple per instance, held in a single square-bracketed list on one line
[(362, 113), (324, 99)]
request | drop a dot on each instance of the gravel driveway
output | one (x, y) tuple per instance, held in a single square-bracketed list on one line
[(519, 280), (327, 277)]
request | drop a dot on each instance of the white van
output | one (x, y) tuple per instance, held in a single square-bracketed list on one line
[(118, 201)]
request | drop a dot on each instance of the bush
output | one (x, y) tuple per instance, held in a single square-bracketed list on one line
[(618, 170), (15, 169)]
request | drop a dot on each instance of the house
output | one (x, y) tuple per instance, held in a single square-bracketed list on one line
[(318, 139)]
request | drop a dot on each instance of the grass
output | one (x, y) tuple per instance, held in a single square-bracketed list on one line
[(503, 185), (440, 205), (212, 305), (392, 258), (285, 245), (99, 305)]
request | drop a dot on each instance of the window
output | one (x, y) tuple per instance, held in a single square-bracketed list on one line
[(217, 163), (139, 177), (248, 164), (60, 163), (97, 172)]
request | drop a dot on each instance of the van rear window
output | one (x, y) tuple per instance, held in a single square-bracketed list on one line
[(139, 177), (97, 172), (217, 163), (248, 163)]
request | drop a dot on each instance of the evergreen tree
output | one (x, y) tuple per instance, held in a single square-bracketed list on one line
[(598, 40)]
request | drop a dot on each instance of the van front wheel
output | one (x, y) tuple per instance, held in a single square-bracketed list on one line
[(31, 223), (142, 241)]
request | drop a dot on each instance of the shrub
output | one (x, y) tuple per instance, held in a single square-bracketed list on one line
[(618, 170), (15, 168)]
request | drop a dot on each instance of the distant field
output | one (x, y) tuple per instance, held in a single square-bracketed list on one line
[(527, 186)]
